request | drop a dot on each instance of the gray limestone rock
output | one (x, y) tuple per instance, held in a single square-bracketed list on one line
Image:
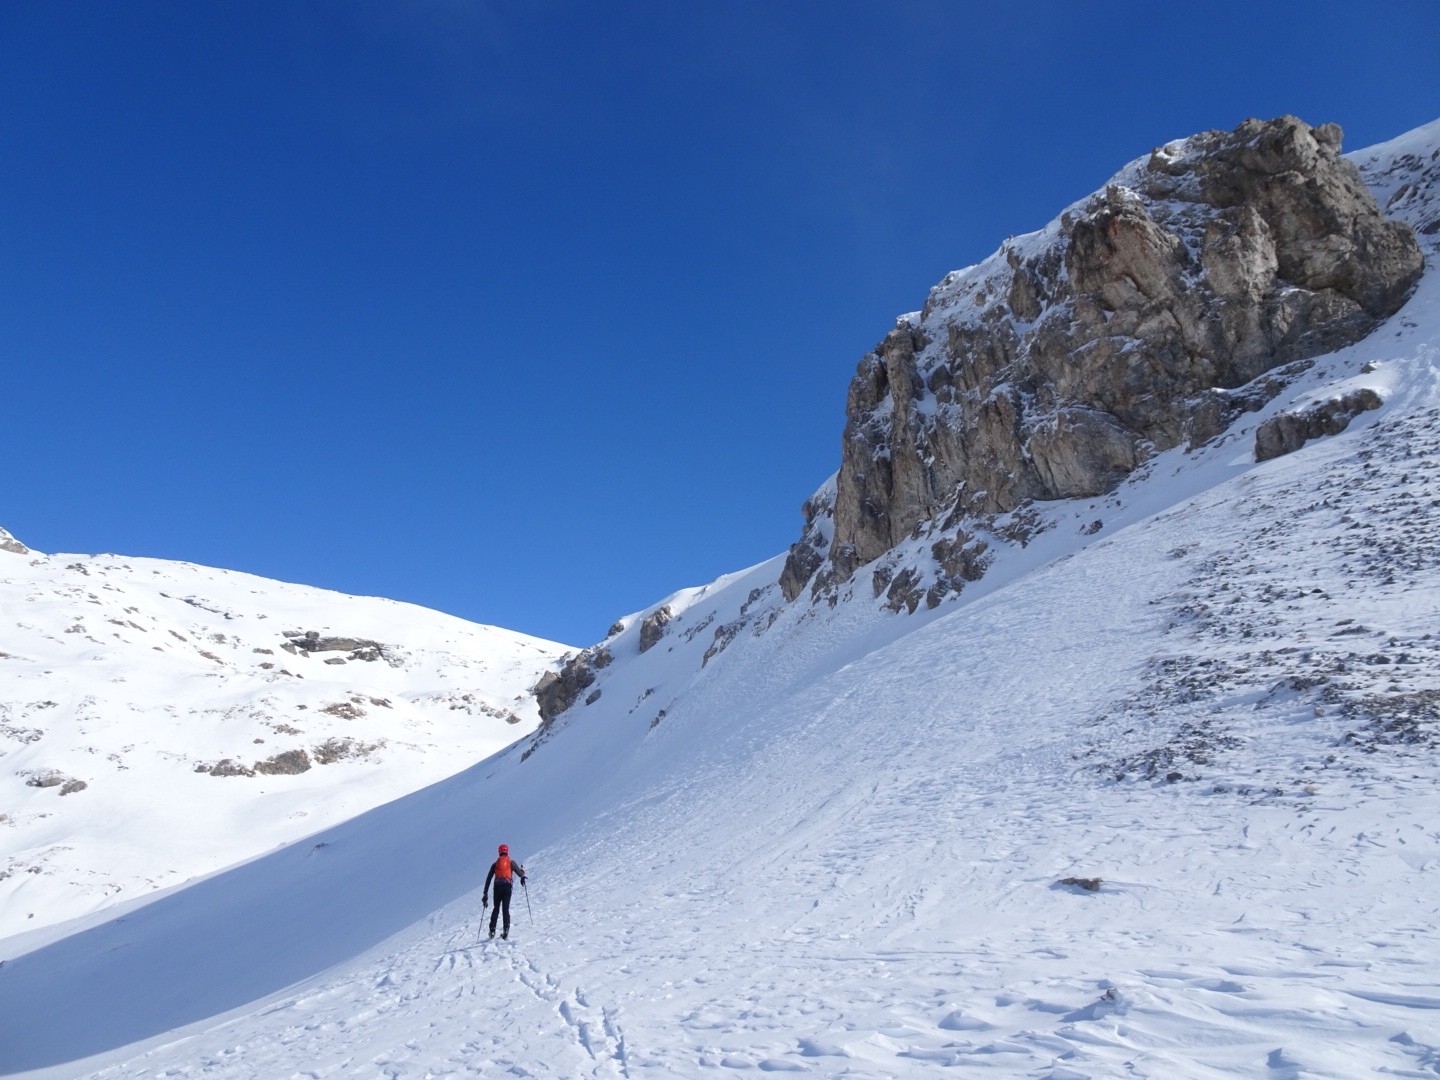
[(653, 628), (558, 690), (1146, 317), (1286, 433)]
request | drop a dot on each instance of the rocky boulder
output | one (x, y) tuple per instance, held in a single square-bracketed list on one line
[(653, 628), (1286, 433), (559, 689)]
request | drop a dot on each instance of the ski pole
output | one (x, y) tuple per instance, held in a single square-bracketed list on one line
[(528, 911)]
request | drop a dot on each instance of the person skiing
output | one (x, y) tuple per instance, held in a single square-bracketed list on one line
[(503, 873)]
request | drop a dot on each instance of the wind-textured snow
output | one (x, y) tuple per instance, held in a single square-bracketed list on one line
[(842, 844)]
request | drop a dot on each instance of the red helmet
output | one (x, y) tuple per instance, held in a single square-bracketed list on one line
[(504, 849)]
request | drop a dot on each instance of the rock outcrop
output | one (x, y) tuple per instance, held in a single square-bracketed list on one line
[(1139, 321), (1286, 433), (653, 628), (557, 690), (304, 643), (10, 544)]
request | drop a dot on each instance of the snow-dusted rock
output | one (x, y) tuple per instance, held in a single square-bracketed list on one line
[(1073, 355), (1288, 431), (653, 628), (10, 544)]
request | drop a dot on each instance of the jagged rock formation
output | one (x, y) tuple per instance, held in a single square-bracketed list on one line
[(653, 628), (558, 690), (1143, 319)]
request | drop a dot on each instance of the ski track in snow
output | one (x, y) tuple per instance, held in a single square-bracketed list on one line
[(841, 849), (1038, 981)]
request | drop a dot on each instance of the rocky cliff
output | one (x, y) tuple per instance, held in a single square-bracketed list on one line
[(1147, 316)]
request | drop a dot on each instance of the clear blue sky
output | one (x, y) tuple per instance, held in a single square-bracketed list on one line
[(535, 311)]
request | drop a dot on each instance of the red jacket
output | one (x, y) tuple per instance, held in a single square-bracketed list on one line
[(499, 874)]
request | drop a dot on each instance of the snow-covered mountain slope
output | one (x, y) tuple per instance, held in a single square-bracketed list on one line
[(162, 720), (830, 839)]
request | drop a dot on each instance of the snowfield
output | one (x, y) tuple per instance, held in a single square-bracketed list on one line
[(1154, 798), (161, 721)]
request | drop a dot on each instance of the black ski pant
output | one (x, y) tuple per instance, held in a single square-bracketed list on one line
[(503, 889)]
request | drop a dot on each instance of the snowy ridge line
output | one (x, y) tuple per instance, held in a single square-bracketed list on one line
[(159, 721)]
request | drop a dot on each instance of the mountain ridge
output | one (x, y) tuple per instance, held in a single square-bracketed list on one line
[(949, 540), (126, 682)]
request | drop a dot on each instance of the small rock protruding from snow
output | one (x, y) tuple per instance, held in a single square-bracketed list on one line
[(1287, 432), (653, 628)]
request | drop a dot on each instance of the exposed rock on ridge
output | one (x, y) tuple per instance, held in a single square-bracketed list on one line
[(558, 689), (1127, 327), (653, 628)]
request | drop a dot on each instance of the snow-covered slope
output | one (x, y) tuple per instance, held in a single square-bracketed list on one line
[(161, 720), (838, 841)]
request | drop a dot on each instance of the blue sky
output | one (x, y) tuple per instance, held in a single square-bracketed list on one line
[(535, 312)]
